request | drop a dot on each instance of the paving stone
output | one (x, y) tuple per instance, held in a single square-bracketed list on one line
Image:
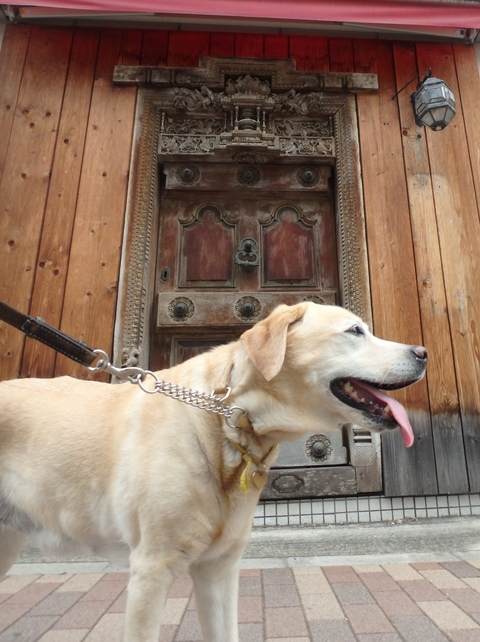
[(83, 615), (57, 603), (250, 632), (10, 613), (285, 639), (110, 627), (416, 602), (250, 608), (442, 579), (396, 604), (81, 582), (421, 590), (467, 599), (33, 593), (15, 583), (312, 583), (418, 628), (379, 637), (307, 570), (352, 593), (367, 618), (55, 579), (322, 607), (277, 576), (28, 629), (447, 616), (379, 582), (331, 631), (465, 636), (250, 586), (473, 582), (105, 590), (167, 633), (189, 628), (120, 604), (367, 568), (402, 572), (174, 610), (250, 572), (72, 635), (340, 574), (281, 595), (461, 569), (285, 622), (425, 566)]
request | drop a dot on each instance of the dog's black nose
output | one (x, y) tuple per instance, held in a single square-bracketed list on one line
[(420, 353)]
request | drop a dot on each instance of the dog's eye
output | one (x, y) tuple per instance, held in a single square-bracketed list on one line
[(357, 330)]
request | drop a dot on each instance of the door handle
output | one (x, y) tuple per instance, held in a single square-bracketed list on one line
[(246, 255)]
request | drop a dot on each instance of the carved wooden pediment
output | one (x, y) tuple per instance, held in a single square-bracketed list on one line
[(259, 105)]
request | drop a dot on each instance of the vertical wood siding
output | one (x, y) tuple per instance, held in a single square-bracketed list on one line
[(65, 144)]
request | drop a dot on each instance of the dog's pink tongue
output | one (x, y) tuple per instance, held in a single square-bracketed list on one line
[(398, 412)]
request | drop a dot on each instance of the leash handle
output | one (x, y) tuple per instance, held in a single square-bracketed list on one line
[(38, 329)]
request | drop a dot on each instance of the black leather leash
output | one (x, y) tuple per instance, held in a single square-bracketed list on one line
[(36, 328)]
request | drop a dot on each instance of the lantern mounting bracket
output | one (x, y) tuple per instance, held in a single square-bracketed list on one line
[(427, 75)]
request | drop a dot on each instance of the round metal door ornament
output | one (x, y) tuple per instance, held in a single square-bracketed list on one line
[(247, 308), (308, 177), (318, 447), (248, 176), (181, 309), (188, 175)]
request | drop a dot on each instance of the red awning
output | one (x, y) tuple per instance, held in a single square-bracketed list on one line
[(373, 12)]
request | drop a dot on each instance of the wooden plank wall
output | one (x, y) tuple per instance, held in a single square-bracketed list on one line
[(65, 144)]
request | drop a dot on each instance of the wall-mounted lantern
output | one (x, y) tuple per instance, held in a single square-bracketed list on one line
[(433, 102)]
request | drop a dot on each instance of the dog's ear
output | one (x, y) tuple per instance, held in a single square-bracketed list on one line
[(266, 342)]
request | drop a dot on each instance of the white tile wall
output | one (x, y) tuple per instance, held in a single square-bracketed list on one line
[(345, 510)]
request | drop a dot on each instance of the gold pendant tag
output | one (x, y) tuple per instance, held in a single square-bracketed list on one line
[(259, 478)]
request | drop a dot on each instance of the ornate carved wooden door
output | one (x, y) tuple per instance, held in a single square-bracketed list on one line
[(248, 152)]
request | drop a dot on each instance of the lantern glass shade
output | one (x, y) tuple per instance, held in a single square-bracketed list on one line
[(433, 104)]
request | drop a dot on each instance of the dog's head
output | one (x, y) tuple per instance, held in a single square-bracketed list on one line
[(330, 353)]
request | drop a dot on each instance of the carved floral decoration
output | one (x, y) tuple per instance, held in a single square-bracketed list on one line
[(246, 114)]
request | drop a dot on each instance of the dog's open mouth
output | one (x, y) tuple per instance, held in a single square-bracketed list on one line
[(376, 404)]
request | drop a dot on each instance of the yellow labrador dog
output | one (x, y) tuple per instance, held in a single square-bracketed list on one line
[(110, 467)]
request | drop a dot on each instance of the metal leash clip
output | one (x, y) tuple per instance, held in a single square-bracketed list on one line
[(103, 365)]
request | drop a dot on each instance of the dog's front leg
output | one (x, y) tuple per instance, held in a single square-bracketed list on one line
[(216, 596), (150, 581)]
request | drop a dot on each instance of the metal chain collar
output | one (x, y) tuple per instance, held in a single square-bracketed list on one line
[(201, 400)]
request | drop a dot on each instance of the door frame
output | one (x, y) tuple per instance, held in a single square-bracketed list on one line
[(337, 94)]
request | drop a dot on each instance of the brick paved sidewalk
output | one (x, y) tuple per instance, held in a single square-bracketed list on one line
[(416, 602)]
